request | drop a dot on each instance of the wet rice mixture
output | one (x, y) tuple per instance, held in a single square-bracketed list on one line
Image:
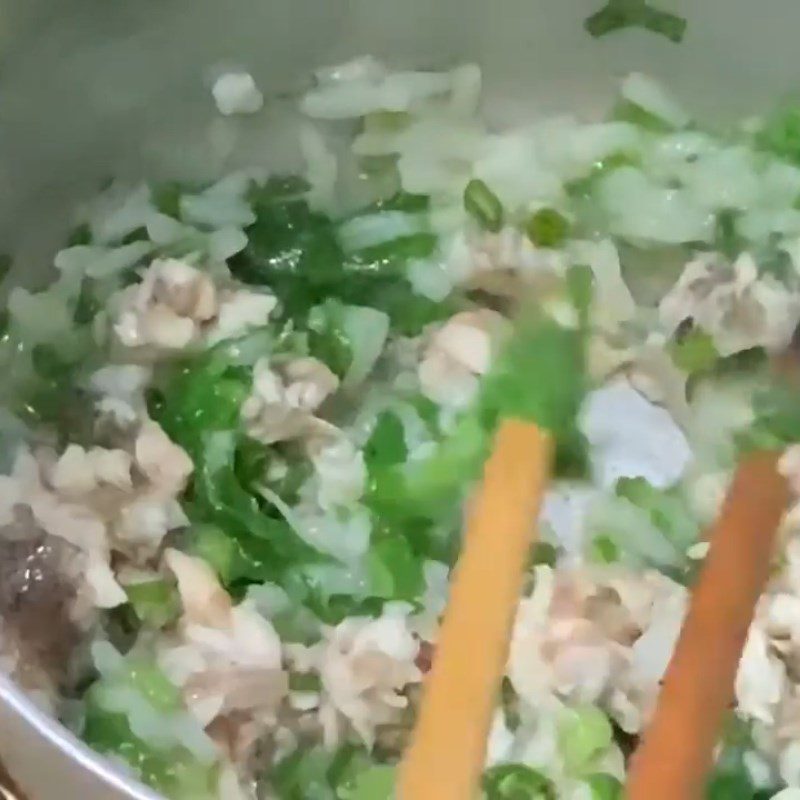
[(239, 426)]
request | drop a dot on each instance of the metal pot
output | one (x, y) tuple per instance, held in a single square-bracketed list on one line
[(92, 88)]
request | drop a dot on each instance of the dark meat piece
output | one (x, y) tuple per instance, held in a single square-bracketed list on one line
[(36, 593)]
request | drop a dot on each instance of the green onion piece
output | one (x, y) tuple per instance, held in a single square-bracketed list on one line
[(626, 111), (668, 25), (620, 14), (547, 228), (483, 205)]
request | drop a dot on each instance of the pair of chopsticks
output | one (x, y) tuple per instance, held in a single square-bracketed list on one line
[(446, 757)]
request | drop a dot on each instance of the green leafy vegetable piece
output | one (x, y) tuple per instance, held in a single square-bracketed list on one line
[(327, 339), (154, 686), (780, 134), (545, 553), (730, 777), (392, 256), (199, 409), (777, 419), (167, 198), (605, 550), (626, 111), (547, 228), (154, 602), (386, 445), (236, 560), (87, 304), (605, 787), (296, 252), (667, 509), (174, 770), (404, 201), (516, 782), (694, 352), (580, 287), (374, 783), (583, 188), (584, 733), (321, 774), (304, 682), (80, 235), (219, 498), (395, 571), (483, 205), (620, 14), (538, 377)]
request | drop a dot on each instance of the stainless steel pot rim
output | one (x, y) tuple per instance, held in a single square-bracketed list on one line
[(74, 749)]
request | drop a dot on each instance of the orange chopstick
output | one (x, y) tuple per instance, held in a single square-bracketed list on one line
[(677, 750), (447, 752)]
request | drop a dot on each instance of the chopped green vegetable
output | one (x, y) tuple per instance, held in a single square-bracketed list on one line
[(87, 304), (516, 782), (386, 446), (780, 134), (80, 235), (777, 419), (626, 111), (327, 339), (374, 783), (295, 251), (395, 571), (154, 686), (545, 553), (584, 733), (483, 205), (620, 14), (547, 228), (167, 198), (694, 352), (172, 770), (200, 410), (667, 509), (539, 377), (304, 682), (604, 550), (605, 787), (324, 775), (154, 602)]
